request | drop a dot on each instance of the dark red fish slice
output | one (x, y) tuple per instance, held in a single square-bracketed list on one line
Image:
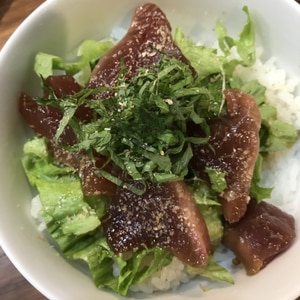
[(235, 143), (148, 36), (45, 119), (166, 215), (264, 232), (92, 183)]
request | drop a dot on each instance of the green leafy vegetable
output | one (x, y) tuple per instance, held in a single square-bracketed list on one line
[(118, 272), (244, 44), (89, 53), (277, 135), (212, 271), (204, 59), (217, 179), (207, 61), (60, 191), (210, 208), (256, 191)]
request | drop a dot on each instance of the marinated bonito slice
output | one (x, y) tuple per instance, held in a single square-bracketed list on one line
[(92, 183), (264, 232), (61, 85), (233, 148), (148, 36), (66, 85), (166, 215), (45, 119)]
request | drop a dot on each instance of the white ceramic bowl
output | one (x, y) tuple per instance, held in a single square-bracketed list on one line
[(58, 27)]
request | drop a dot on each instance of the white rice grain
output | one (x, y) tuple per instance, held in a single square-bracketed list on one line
[(168, 278), (36, 207)]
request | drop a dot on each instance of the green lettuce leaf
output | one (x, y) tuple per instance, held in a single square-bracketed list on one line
[(88, 54), (206, 60), (244, 44), (256, 191), (212, 271), (210, 209), (217, 179), (277, 135), (118, 272), (203, 59), (60, 191)]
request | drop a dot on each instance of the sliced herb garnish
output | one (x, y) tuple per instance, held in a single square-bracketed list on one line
[(142, 126)]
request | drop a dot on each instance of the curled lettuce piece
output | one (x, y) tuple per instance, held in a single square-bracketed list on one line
[(207, 61), (88, 54), (60, 191)]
